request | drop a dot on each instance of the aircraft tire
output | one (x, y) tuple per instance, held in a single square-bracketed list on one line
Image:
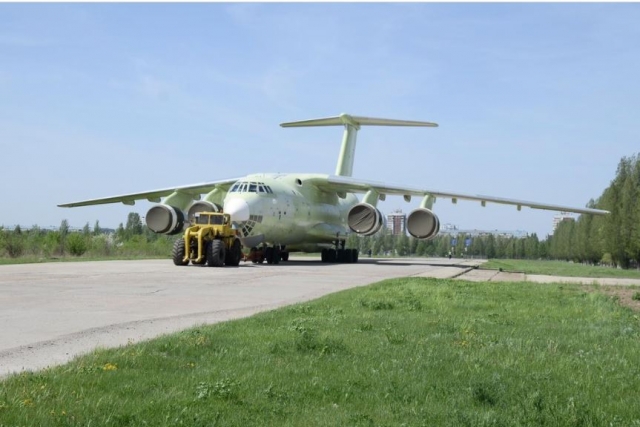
[(268, 253), (252, 255), (323, 255), (215, 253), (234, 254), (178, 252), (276, 255), (331, 255), (284, 256), (355, 255), (348, 256)]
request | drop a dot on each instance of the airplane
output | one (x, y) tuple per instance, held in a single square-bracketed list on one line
[(296, 212)]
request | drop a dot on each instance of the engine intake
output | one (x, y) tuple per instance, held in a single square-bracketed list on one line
[(423, 224), (202, 206), (165, 219), (364, 219)]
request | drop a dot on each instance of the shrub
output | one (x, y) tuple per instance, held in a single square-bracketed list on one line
[(14, 245), (77, 244)]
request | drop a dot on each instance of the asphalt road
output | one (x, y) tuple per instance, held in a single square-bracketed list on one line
[(50, 313)]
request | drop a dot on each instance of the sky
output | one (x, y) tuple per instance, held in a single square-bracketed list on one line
[(534, 101)]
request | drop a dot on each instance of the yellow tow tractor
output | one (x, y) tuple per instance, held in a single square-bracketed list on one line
[(210, 240)]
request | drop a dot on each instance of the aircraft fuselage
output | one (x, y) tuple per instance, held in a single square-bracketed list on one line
[(279, 209)]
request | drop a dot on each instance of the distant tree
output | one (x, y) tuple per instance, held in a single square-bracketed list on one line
[(96, 228), (402, 245), (64, 233), (120, 233), (134, 225), (64, 228)]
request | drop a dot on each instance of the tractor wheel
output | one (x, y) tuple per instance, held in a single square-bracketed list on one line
[(215, 253), (178, 253), (234, 254)]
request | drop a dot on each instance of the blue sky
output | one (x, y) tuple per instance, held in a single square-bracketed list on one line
[(534, 101)]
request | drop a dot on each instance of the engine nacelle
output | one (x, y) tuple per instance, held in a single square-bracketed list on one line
[(423, 224), (202, 206), (165, 219), (364, 219)]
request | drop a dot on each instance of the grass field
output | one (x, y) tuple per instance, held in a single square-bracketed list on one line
[(559, 268), (401, 352)]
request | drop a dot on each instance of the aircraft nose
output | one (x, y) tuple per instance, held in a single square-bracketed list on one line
[(238, 209)]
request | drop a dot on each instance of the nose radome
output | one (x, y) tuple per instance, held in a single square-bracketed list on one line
[(238, 209)]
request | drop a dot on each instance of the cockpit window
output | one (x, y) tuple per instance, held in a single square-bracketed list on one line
[(250, 187)]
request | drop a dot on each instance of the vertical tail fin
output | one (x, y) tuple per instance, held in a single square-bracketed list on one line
[(351, 126)]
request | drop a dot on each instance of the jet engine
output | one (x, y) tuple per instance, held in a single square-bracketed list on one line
[(165, 219), (423, 224), (364, 219), (203, 206)]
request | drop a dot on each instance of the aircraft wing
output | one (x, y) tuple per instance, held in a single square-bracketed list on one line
[(347, 184), (155, 195)]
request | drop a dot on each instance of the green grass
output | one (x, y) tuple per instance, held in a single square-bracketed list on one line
[(558, 268), (401, 352)]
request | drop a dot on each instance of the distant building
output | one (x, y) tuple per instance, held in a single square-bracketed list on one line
[(397, 222), (562, 216)]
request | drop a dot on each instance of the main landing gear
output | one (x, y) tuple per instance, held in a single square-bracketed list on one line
[(271, 254), (340, 254)]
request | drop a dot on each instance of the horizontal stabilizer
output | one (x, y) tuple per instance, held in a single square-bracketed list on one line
[(357, 121)]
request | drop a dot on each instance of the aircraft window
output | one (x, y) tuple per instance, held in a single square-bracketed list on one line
[(261, 189), (299, 182), (269, 190), (243, 188), (253, 188), (234, 188)]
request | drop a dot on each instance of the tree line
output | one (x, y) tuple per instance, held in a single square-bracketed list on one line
[(613, 239), (461, 245), (130, 240)]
